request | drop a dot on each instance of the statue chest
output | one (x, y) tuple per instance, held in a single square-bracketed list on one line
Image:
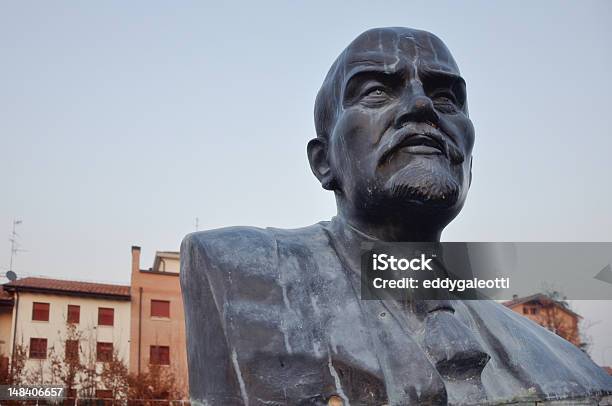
[(312, 338)]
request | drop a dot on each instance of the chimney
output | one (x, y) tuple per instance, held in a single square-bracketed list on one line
[(514, 297), (135, 259)]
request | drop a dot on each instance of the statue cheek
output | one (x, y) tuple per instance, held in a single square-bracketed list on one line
[(352, 152), (369, 122), (470, 136), (462, 130), (355, 136), (466, 129)]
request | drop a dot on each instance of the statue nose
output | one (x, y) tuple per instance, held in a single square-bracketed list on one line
[(418, 109), (421, 102), (335, 400)]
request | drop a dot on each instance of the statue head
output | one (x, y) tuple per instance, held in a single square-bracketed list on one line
[(394, 140)]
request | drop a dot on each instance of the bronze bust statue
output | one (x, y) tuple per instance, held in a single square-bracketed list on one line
[(274, 316)]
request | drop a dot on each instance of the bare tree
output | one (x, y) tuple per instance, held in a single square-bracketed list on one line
[(586, 340), (16, 373), (89, 374), (36, 375), (554, 314), (66, 366), (158, 382), (114, 377)]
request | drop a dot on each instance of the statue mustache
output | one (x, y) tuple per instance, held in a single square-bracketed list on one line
[(405, 135)]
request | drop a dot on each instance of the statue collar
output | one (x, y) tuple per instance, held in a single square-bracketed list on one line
[(348, 242)]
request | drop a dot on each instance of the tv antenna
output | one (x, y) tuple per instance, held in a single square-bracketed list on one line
[(14, 243)]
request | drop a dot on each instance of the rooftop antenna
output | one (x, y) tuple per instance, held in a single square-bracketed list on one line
[(14, 243), (197, 224)]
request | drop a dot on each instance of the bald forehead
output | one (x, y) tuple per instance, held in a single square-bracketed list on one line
[(392, 47), (394, 50)]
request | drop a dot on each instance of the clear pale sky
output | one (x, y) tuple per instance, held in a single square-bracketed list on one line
[(123, 122)]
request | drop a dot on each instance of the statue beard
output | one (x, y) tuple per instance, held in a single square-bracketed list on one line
[(425, 184)]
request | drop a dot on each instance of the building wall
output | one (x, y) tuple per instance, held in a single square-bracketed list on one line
[(147, 331), (6, 320), (556, 316), (167, 264), (55, 330)]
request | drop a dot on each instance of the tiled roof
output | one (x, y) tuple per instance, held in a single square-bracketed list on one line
[(59, 286), (539, 297), (520, 300)]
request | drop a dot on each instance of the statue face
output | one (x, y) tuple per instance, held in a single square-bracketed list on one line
[(402, 136)]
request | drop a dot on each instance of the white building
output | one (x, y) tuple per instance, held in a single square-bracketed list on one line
[(54, 317)]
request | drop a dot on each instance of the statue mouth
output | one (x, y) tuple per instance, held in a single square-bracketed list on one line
[(419, 139), (421, 144)]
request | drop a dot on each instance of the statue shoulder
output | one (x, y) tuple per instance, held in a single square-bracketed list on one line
[(245, 249), (230, 247)]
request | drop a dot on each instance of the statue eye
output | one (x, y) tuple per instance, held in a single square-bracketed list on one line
[(378, 92), (374, 96)]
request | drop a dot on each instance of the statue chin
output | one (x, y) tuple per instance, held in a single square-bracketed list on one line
[(424, 187)]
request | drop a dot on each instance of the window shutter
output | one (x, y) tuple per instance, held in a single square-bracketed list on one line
[(159, 355), (160, 308), (104, 394), (40, 311), (72, 349), (104, 352), (38, 348), (74, 314), (106, 316), (164, 355)]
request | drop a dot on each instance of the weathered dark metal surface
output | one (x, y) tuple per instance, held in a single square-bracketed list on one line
[(274, 316)]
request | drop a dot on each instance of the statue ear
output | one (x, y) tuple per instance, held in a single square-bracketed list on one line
[(319, 164)]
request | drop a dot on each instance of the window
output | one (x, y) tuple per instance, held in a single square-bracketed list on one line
[(525, 310), (104, 394), (159, 355), (74, 314), (534, 310), (160, 308), (4, 366), (72, 349), (104, 352), (106, 316), (40, 311), (38, 348)]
